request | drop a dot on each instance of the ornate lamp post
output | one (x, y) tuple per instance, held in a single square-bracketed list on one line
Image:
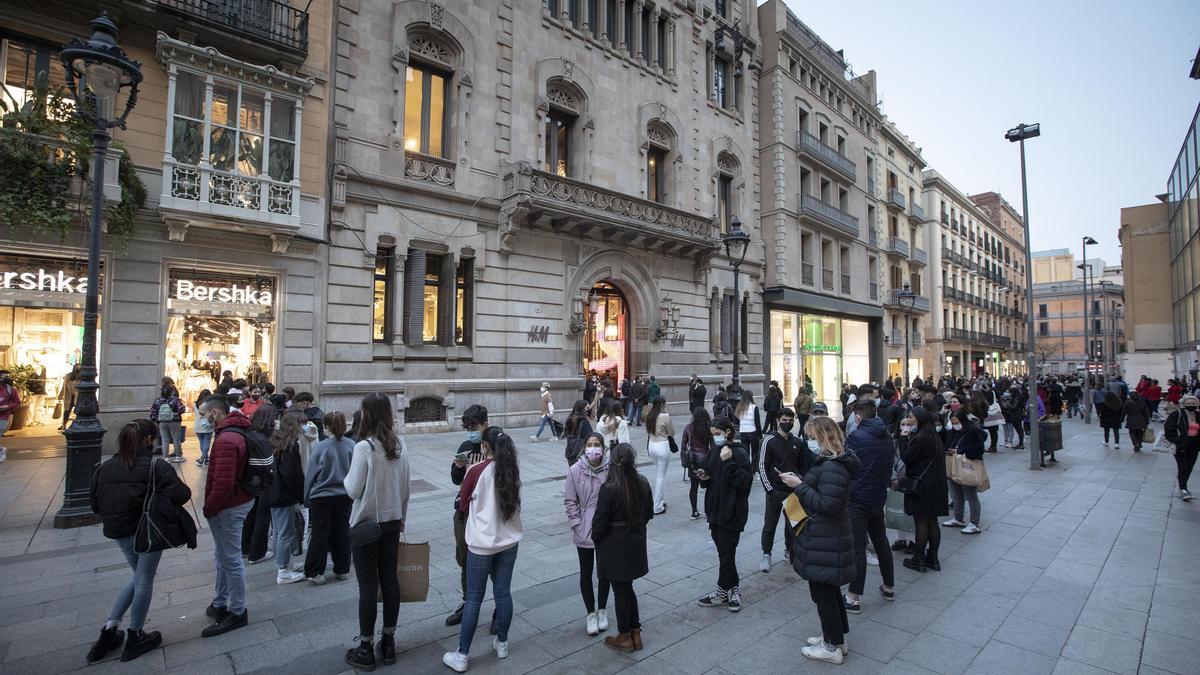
[(98, 72), (736, 243), (907, 300)]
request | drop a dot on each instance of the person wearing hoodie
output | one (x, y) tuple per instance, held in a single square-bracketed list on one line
[(783, 452), (286, 491), (728, 475), (876, 453), (965, 438), (304, 402), (823, 553), (226, 504), (580, 493), (1137, 418), (328, 503), (1111, 414)]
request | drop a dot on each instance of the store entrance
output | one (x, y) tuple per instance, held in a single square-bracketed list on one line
[(40, 347), (605, 340)]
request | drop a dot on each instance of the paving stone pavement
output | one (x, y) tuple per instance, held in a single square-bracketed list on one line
[(1088, 567)]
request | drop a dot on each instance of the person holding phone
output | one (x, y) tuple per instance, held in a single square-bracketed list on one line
[(474, 420), (729, 475)]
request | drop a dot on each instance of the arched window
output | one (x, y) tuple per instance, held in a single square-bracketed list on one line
[(660, 152), (428, 94), (566, 103), (728, 170)]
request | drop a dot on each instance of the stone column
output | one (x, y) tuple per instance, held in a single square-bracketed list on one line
[(621, 39), (653, 39), (602, 18), (638, 51)]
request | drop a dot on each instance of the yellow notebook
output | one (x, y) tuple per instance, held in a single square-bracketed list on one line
[(795, 513)]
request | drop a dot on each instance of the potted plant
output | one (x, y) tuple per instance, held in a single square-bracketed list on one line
[(23, 376)]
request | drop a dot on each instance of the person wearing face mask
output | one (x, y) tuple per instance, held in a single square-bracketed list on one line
[(924, 462), (612, 425), (697, 442), (474, 420), (253, 402), (1182, 428), (872, 444), (965, 438), (783, 452), (729, 475), (580, 494), (547, 403), (618, 527)]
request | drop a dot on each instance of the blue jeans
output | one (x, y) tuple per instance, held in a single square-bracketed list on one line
[(545, 423), (205, 443), (226, 527), (499, 567), (171, 433), (136, 595), (285, 533), (635, 414)]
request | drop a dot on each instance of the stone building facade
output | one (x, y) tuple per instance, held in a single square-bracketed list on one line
[(1145, 243), (523, 192)]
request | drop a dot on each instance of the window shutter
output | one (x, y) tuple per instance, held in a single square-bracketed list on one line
[(414, 296), (714, 323), (726, 324), (744, 327), (446, 301)]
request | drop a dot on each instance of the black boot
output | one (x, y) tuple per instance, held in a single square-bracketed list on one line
[(455, 617), (110, 639), (362, 656), (215, 612), (915, 565), (387, 648), (227, 623), (140, 642)]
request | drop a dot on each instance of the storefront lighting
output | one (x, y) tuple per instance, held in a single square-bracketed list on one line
[(611, 332)]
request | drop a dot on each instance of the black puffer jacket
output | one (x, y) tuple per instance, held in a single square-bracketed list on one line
[(117, 491), (876, 453), (727, 494), (288, 486), (824, 550), (925, 460)]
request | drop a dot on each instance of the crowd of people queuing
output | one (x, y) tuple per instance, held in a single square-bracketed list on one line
[(274, 459)]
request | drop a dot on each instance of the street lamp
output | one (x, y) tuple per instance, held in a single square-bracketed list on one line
[(907, 300), (1087, 341), (1018, 134), (97, 72), (736, 244)]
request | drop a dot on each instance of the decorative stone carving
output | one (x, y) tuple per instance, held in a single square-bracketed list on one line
[(645, 212), (176, 229), (568, 69), (430, 49), (563, 98), (430, 169), (437, 15)]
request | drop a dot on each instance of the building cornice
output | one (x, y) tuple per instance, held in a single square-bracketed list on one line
[(170, 51)]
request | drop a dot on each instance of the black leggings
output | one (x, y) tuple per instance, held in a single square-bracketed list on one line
[(1135, 437), (1116, 434), (375, 567), (587, 560), (693, 491), (832, 610), (994, 433), (627, 606), (929, 539), (1185, 461)]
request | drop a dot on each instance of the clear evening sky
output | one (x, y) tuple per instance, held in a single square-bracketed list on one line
[(1108, 81)]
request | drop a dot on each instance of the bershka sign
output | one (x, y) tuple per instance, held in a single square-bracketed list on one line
[(53, 281), (186, 289)]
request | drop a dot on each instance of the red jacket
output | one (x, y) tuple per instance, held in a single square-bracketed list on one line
[(1153, 393), (1174, 393), (226, 459), (10, 400)]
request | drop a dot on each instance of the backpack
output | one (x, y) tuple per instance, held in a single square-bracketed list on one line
[(165, 412), (259, 471)]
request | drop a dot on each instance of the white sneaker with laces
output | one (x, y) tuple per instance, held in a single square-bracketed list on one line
[(872, 559), (500, 647), (318, 580), (602, 619), (593, 626), (764, 565), (1186, 495), (971, 528), (456, 661), (288, 577), (953, 523), (814, 641), (534, 439), (824, 652)]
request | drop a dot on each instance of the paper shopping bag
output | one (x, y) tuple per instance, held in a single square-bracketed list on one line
[(893, 513), (795, 513), (412, 566)]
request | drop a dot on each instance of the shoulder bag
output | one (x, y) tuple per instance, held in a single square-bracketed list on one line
[(367, 532), (912, 486), (163, 524)]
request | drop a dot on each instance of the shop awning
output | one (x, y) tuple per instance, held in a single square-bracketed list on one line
[(793, 298)]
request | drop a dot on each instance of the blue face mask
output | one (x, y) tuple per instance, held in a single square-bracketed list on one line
[(474, 436), (718, 441)]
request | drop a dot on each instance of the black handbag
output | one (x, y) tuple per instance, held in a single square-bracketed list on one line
[(912, 486), (163, 524), (673, 444), (367, 532)]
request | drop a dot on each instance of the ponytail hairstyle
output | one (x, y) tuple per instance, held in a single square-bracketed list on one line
[(656, 409), (508, 474), (133, 438), (263, 420), (379, 423), (288, 432), (623, 476), (335, 423)]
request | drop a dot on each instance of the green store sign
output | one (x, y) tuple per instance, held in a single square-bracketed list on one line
[(822, 348)]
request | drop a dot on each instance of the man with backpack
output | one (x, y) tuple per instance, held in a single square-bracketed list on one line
[(237, 471)]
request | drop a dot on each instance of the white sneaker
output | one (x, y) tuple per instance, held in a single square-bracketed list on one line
[(814, 641), (602, 619), (534, 439), (593, 625), (971, 528), (872, 559), (456, 661), (1186, 495), (764, 565), (297, 566), (266, 556), (288, 577), (824, 652), (500, 647), (318, 580), (953, 523)]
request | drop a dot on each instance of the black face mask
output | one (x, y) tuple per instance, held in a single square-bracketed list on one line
[(786, 427)]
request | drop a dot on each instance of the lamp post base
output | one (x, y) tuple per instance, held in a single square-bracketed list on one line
[(84, 440)]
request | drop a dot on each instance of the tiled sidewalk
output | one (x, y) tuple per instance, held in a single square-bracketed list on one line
[(1087, 567)]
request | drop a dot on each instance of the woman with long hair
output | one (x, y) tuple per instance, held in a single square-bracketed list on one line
[(612, 424), (256, 530), (378, 483), (491, 497), (328, 504), (965, 438), (580, 494), (1111, 414), (823, 553), (619, 530), (118, 490), (167, 412), (697, 441), (925, 463), (660, 430), (576, 429), (286, 491), (728, 475), (749, 424), (205, 426)]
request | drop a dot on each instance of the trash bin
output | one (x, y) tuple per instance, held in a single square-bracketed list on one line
[(1050, 436)]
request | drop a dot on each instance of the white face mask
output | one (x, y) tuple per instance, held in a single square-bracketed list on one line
[(813, 446), (956, 427)]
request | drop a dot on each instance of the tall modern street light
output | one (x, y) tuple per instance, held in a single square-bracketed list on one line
[(1018, 134), (907, 300), (98, 73), (736, 243), (1087, 341)]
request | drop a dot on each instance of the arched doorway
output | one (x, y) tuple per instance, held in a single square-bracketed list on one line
[(607, 333)]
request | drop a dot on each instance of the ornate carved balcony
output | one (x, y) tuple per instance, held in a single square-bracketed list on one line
[(812, 146), (536, 199), (827, 215), (429, 169)]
